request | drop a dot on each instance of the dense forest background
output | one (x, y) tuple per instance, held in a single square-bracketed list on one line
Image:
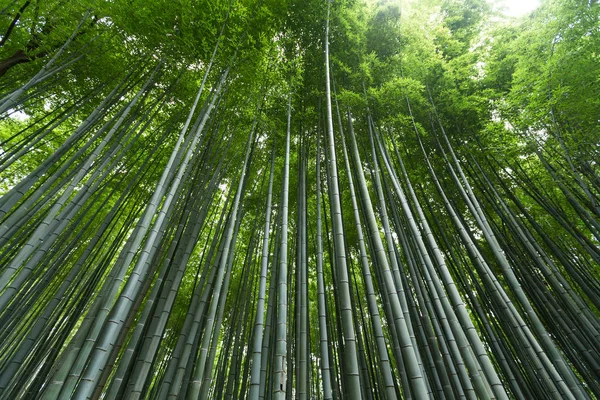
[(299, 199)]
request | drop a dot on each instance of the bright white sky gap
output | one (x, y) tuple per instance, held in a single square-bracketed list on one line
[(517, 8)]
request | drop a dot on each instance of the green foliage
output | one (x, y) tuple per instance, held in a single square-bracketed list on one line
[(503, 114)]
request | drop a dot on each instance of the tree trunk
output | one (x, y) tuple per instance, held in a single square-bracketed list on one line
[(19, 57)]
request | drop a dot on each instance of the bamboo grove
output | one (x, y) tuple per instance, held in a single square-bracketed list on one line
[(299, 199)]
